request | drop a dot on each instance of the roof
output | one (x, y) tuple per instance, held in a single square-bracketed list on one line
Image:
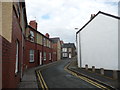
[(116, 17), (68, 45), (55, 40), (39, 32)]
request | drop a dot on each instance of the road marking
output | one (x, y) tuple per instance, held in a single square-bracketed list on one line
[(41, 80), (85, 78)]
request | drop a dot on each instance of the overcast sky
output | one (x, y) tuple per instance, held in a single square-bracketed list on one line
[(59, 18)]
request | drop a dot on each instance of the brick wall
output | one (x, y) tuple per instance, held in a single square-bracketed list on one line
[(9, 56), (30, 45), (37, 49)]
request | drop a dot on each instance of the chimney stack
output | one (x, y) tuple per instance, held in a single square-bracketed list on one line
[(33, 24), (47, 35), (92, 16)]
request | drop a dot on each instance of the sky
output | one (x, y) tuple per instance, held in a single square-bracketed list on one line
[(59, 18)]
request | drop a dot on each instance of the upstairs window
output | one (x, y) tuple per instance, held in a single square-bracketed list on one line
[(18, 9), (64, 49), (44, 41), (32, 36)]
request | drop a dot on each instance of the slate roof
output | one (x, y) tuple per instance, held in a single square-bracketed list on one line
[(55, 40), (68, 45)]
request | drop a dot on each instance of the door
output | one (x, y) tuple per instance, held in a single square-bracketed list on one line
[(40, 58), (17, 52), (70, 55)]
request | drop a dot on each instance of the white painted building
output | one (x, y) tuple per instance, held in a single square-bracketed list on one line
[(97, 42)]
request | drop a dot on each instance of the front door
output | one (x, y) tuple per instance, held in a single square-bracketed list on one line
[(40, 58), (70, 55)]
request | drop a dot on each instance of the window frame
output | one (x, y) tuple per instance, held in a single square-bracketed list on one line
[(31, 54), (32, 36), (45, 56)]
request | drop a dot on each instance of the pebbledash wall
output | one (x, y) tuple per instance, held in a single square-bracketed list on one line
[(97, 42)]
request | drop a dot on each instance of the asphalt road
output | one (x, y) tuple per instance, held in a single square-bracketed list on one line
[(56, 77)]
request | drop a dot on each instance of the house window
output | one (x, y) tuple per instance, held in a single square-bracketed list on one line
[(65, 55), (50, 54), (32, 36), (18, 9), (49, 44), (44, 41), (31, 56), (44, 56), (17, 57), (64, 49)]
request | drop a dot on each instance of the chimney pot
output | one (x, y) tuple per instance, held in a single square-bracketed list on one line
[(47, 35), (33, 24)]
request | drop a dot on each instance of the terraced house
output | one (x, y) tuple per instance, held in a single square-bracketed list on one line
[(13, 23), (38, 49), (21, 45)]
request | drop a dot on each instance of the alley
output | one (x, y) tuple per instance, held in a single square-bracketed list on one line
[(56, 77)]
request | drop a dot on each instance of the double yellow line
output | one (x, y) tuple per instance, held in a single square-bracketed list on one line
[(41, 80), (86, 79)]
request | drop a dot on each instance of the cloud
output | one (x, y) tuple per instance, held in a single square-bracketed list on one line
[(60, 17)]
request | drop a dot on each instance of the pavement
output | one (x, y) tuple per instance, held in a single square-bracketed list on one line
[(29, 79), (94, 76)]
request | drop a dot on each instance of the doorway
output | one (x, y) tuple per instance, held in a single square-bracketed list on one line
[(70, 55), (40, 58)]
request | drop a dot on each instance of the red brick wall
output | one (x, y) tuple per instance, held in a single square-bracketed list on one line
[(30, 45), (47, 50), (37, 49), (9, 56)]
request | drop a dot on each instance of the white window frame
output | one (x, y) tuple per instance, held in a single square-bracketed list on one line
[(64, 50), (17, 57), (31, 55), (44, 56), (44, 41), (65, 54), (32, 36)]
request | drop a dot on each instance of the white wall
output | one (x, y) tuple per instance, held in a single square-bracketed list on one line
[(119, 45), (78, 50), (99, 43)]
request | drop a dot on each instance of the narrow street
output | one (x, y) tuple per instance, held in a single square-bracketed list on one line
[(56, 77)]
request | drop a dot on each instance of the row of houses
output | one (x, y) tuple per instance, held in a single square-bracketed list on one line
[(98, 42), (22, 46)]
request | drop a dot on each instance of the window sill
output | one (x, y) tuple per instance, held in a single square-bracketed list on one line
[(31, 62)]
